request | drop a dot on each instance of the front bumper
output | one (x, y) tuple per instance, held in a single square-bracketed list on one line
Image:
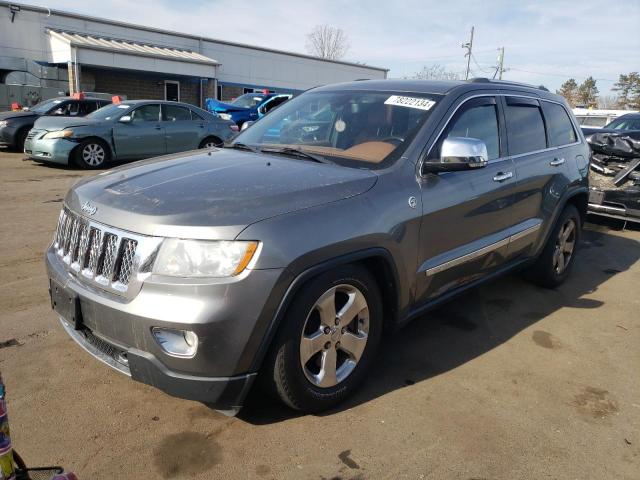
[(224, 315), (56, 150), (8, 136), (622, 204)]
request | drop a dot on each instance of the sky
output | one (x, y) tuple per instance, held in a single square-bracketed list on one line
[(546, 41)]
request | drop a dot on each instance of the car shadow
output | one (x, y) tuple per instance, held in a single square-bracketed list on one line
[(477, 322)]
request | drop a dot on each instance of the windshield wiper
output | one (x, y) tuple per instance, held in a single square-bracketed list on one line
[(242, 146), (294, 152)]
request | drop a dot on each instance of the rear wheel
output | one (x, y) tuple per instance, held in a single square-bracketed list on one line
[(327, 342), (91, 154), (211, 142), (554, 263)]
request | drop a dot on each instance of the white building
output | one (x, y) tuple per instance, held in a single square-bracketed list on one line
[(44, 52)]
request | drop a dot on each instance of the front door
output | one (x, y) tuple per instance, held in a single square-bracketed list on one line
[(143, 136), (466, 214)]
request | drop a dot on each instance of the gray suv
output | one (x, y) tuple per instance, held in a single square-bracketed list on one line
[(343, 214)]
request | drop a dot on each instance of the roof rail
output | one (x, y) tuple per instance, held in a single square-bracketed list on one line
[(507, 82)]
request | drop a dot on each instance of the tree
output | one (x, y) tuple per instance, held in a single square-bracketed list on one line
[(628, 88), (588, 93), (569, 90), (328, 42), (435, 72)]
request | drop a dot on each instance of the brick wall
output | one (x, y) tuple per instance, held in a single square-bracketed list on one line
[(142, 85)]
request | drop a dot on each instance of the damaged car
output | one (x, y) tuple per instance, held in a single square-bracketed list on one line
[(614, 176)]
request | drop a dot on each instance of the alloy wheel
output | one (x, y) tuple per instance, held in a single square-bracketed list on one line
[(565, 245), (334, 336), (93, 154)]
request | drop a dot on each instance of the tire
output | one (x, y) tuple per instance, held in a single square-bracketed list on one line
[(310, 325), (554, 264), (211, 142), (21, 137), (91, 154)]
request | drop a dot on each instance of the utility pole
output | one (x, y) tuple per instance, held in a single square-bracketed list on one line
[(468, 46), (501, 63)]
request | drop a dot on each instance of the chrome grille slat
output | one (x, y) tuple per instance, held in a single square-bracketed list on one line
[(95, 242), (126, 258), (108, 258), (102, 254)]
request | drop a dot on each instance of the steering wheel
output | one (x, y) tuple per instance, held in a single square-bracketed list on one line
[(393, 140)]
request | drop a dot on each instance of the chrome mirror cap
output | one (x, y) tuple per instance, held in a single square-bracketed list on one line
[(469, 151)]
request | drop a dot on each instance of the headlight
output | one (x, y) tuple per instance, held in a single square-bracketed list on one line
[(4, 123), (59, 134), (225, 116), (201, 258)]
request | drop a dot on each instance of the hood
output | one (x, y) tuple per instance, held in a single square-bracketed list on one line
[(8, 115), (212, 196), (58, 123), (217, 106)]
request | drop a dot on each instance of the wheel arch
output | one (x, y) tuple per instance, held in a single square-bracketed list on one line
[(377, 260), (578, 197)]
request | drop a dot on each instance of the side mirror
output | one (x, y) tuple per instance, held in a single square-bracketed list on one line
[(125, 119), (458, 153), (247, 124)]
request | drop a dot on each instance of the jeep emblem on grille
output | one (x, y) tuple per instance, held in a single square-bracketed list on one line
[(89, 208)]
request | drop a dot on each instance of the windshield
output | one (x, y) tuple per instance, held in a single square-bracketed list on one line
[(44, 107), (628, 123), (364, 129), (110, 111), (248, 100)]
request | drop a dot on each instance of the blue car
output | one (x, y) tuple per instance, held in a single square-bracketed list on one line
[(247, 107)]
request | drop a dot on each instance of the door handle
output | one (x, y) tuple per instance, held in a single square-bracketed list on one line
[(556, 162), (158, 127), (501, 177)]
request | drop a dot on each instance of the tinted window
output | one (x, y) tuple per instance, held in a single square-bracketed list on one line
[(525, 129), (172, 113), (196, 116), (479, 122), (625, 123), (146, 113), (559, 126)]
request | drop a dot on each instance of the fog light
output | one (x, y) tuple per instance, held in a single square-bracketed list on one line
[(181, 343)]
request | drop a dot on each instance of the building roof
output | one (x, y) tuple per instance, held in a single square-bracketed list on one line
[(97, 42), (50, 11)]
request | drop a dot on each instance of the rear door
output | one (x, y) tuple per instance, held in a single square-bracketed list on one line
[(540, 158), (182, 131), (467, 214), (143, 136)]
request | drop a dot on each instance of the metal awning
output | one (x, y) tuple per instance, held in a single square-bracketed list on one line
[(118, 53)]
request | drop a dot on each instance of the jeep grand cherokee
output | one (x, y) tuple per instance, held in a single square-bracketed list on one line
[(288, 255)]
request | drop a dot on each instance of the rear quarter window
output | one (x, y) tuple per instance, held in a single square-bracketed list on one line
[(559, 126), (525, 127)]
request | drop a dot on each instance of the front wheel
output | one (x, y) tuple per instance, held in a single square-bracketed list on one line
[(554, 263), (91, 154), (327, 342)]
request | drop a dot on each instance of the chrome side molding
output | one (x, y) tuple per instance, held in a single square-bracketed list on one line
[(484, 250)]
